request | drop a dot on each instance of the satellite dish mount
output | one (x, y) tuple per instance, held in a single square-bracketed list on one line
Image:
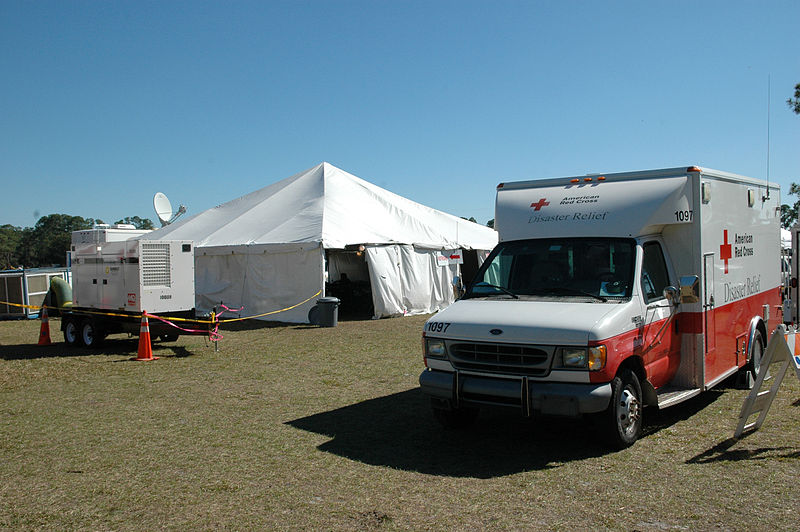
[(164, 209)]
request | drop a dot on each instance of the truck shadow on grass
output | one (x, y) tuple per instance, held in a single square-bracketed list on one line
[(111, 347), (399, 431)]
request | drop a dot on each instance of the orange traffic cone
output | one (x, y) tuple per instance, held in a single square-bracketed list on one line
[(145, 348), (44, 330)]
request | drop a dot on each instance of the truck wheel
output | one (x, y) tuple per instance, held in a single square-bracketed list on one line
[(746, 377), (754, 366), (623, 418), (91, 336), (71, 333), (454, 418)]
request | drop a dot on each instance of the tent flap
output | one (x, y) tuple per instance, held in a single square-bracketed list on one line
[(408, 281)]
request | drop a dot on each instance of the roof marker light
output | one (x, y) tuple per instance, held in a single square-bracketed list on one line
[(501, 185), (587, 179), (601, 178), (693, 169), (574, 180)]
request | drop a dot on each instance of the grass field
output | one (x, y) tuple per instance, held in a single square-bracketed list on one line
[(305, 428)]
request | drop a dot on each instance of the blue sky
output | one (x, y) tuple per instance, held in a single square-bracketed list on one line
[(104, 103)]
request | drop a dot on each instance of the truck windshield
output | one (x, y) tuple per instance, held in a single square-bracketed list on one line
[(597, 268)]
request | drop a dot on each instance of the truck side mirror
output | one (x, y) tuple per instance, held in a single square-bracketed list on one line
[(671, 293), (690, 289)]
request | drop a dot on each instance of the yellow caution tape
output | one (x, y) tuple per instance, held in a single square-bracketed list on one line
[(213, 319), (274, 311)]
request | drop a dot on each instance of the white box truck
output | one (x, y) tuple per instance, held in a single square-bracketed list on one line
[(609, 293)]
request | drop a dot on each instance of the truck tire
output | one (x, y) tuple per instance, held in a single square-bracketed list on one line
[(71, 332), (91, 335), (754, 366), (745, 378), (623, 418), (453, 418)]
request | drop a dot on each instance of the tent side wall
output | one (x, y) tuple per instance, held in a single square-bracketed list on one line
[(407, 280), (261, 278)]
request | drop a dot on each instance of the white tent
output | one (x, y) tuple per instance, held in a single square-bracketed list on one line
[(275, 247)]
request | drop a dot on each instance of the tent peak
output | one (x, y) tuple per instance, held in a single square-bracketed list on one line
[(328, 166)]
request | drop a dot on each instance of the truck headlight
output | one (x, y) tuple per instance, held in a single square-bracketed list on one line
[(597, 357), (434, 348), (573, 358), (592, 358)]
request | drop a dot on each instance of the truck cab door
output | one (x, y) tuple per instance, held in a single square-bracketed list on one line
[(661, 340)]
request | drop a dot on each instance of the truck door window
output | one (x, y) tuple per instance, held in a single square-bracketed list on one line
[(654, 272)]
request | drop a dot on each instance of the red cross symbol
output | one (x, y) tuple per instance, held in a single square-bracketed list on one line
[(725, 249), (539, 204)]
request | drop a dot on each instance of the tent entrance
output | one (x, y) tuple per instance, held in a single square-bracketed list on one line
[(348, 279), (470, 266)]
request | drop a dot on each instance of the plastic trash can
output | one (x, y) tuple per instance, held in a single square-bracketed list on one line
[(328, 311)]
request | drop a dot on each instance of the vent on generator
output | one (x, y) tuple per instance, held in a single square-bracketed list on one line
[(155, 264)]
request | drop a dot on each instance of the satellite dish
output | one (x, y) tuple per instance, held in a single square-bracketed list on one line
[(164, 209)]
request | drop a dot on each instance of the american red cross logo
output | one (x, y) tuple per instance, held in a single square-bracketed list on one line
[(725, 249), (539, 204)]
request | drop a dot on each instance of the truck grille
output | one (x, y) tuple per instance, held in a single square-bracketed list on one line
[(531, 360)]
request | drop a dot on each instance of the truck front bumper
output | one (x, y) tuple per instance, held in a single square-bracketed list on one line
[(533, 397)]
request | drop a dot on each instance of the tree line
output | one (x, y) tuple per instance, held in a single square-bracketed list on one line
[(47, 242)]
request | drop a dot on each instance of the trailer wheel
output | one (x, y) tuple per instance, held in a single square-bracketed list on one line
[(91, 336), (453, 418), (71, 333), (623, 418)]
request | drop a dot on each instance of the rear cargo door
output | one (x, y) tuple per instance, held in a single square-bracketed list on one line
[(709, 326)]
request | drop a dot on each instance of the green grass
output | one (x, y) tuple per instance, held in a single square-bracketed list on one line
[(297, 427)]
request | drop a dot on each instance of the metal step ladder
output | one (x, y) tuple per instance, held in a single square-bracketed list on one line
[(783, 347)]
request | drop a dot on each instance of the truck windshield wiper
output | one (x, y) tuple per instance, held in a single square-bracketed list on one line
[(506, 291), (572, 291)]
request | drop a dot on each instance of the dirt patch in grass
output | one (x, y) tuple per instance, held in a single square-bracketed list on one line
[(297, 427)]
